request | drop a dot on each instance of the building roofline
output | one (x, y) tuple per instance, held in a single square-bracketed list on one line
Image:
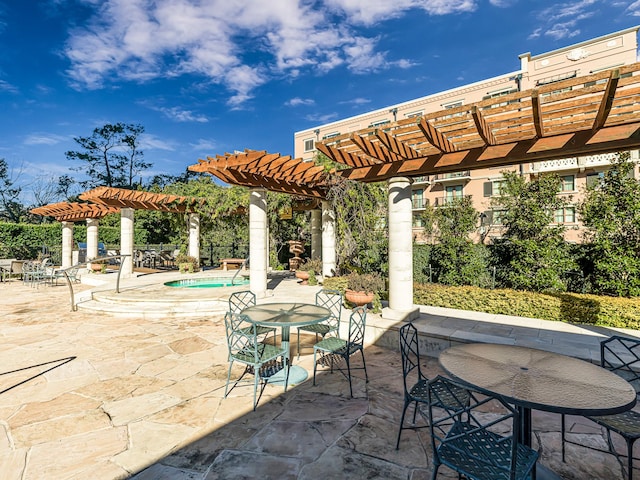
[(581, 44), (413, 100)]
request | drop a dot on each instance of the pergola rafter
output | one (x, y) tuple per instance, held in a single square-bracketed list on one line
[(253, 168), (73, 212), (598, 113), (137, 200)]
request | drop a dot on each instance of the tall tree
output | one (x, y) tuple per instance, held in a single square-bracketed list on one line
[(533, 254), (611, 212), (10, 207), (111, 156)]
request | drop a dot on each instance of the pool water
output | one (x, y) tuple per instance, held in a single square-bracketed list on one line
[(213, 282)]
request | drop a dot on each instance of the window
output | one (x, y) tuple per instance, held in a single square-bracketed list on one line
[(418, 221), (594, 179), (417, 198), (567, 183), (453, 191), (330, 135), (414, 114), (447, 106), (494, 188), (380, 123), (565, 215), (309, 145), (497, 217)]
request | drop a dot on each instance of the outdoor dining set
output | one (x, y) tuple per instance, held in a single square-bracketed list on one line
[(479, 413)]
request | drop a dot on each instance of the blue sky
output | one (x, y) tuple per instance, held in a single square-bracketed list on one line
[(206, 77)]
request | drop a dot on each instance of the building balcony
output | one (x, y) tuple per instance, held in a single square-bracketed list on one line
[(452, 177), (574, 163), (446, 201), (419, 203), (422, 180), (591, 161)]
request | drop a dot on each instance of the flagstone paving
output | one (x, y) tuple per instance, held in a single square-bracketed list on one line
[(91, 395)]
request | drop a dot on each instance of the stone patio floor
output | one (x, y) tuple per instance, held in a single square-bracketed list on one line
[(143, 398)]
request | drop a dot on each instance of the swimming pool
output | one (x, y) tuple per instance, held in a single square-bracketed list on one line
[(211, 282)]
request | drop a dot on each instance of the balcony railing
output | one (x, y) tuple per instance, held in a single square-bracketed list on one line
[(421, 179), (418, 203), (574, 163), (446, 201), (452, 177)]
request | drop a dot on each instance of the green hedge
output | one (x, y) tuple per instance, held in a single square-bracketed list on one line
[(24, 241), (566, 307)]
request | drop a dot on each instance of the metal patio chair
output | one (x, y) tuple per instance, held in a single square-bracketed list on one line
[(415, 383), (332, 347), (238, 301), (473, 438), (621, 355), (331, 299), (261, 360)]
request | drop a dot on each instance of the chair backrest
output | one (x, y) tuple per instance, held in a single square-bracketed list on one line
[(238, 301), (241, 337), (331, 299), (621, 355), (479, 430), (410, 354), (357, 324)]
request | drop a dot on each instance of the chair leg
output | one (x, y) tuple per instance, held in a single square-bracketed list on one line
[(346, 358), (562, 434), (404, 411), (434, 473), (366, 376), (315, 366), (630, 458), (228, 380), (256, 380), (298, 344)]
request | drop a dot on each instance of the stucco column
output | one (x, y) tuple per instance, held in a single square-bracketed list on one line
[(316, 234), (194, 235), (92, 239), (400, 252), (67, 244), (126, 240), (258, 245), (328, 240)]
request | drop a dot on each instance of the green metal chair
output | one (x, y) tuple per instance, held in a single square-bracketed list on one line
[(415, 383), (621, 355), (261, 360), (331, 299), (331, 347), (465, 437), (238, 301)]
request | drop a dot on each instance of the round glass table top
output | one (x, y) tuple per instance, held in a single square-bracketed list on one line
[(286, 314), (541, 380)]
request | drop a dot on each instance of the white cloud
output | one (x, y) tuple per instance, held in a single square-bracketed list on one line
[(240, 44), (634, 9), (327, 117), (180, 115), (204, 145), (356, 101), (562, 19), (151, 142), (297, 101), (7, 87), (44, 139)]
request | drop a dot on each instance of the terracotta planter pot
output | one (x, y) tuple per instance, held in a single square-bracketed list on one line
[(304, 276), (359, 298)]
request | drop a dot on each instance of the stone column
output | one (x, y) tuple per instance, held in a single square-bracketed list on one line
[(316, 234), (126, 240), (258, 241), (92, 239), (194, 235), (67, 244), (328, 240), (400, 252)]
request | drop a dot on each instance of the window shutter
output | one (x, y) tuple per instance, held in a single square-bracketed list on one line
[(489, 217), (488, 189)]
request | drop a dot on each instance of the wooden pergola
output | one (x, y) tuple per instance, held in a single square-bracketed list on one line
[(122, 198), (73, 211), (588, 115)]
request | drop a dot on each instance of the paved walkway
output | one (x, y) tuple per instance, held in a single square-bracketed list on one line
[(142, 397)]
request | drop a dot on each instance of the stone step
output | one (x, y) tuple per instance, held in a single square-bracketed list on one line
[(148, 310)]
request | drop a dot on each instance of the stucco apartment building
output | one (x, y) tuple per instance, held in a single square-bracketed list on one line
[(603, 53)]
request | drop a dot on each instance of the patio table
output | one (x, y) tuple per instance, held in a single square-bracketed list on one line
[(536, 379), (287, 315)]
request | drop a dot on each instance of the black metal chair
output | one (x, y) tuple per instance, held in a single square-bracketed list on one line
[(469, 437), (260, 360), (620, 355), (331, 347), (331, 299), (414, 381), (238, 301)]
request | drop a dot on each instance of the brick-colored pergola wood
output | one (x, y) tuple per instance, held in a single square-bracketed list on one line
[(118, 198), (587, 115), (74, 212), (275, 172)]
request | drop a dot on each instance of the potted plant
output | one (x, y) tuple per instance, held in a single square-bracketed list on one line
[(187, 264), (363, 287), (308, 270)]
